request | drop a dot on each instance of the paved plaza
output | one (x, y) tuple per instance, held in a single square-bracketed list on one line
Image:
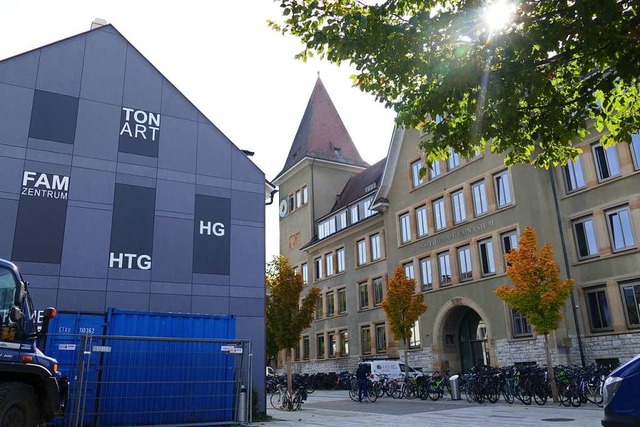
[(334, 408)]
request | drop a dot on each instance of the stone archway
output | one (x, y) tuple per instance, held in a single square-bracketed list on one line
[(447, 338)]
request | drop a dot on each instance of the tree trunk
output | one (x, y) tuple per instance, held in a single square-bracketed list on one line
[(406, 357), (287, 358), (552, 377)]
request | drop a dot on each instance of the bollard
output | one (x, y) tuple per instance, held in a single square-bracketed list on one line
[(242, 405), (454, 383)]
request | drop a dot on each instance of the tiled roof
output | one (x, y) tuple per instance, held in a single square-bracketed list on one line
[(358, 185), (321, 134)]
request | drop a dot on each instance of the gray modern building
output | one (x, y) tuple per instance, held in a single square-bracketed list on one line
[(116, 191)]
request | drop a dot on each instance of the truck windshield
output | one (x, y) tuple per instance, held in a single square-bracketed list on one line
[(7, 292)]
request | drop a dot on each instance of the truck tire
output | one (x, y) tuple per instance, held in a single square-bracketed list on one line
[(18, 406)]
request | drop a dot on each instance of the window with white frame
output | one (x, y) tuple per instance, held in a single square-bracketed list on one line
[(416, 180), (344, 342), (306, 350), (457, 202), (333, 346), (503, 189), (454, 159), (331, 308), (365, 340), (487, 262), (354, 214), (327, 227), (342, 300), (635, 149), (414, 341), (305, 273), (378, 292), (329, 263), (519, 324), (405, 228), (362, 252), (585, 236), (598, 308), (439, 217), (408, 270), (631, 297), (607, 164), (375, 247), (421, 221), (381, 338), (340, 257), (480, 206), (426, 274), (363, 291), (464, 263), (320, 347), (434, 170), (320, 307), (342, 220), (509, 241), (573, 175), (620, 228), (298, 199), (366, 204), (444, 268), (305, 195), (319, 273)]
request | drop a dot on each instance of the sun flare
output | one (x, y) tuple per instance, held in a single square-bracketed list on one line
[(498, 14)]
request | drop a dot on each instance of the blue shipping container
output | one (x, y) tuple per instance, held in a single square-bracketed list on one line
[(150, 381)]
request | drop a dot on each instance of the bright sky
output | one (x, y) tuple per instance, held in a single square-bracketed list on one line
[(222, 56)]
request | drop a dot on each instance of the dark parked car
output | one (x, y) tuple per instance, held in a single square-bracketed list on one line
[(621, 394)]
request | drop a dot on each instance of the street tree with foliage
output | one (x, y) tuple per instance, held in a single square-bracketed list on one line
[(403, 307), (530, 87), (287, 316), (537, 291)]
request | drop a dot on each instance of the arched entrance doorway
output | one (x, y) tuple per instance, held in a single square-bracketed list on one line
[(461, 336)]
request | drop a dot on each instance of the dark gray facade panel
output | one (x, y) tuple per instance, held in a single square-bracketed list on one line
[(135, 159), (124, 286), (212, 190), (44, 297), (246, 327), (137, 170), (12, 152), (50, 146), (169, 264), (97, 130), (211, 235), (87, 238), (240, 291), (214, 152), (8, 212), (171, 175), (81, 301), (47, 156), (175, 104), (54, 117), (211, 279), (95, 164), (246, 206), (82, 283), (215, 305), (21, 70), (60, 67), (249, 271), (177, 303), (15, 114), (11, 173), (243, 169), (250, 307), (42, 281), (178, 144), (142, 83), (210, 290), (174, 196), (127, 300), (103, 73), (128, 274), (140, 181), (39, 269), (91, 185), (170, 288)]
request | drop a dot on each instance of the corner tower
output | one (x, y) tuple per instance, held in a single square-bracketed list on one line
[(321, 160)]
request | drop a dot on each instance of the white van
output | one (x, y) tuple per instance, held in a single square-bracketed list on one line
[(394, 369)]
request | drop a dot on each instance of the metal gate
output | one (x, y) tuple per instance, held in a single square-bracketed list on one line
[(133, 381)]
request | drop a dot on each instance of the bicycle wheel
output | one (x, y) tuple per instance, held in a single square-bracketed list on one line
[(540, 395), (353, 393), (492, 394), (433, 392), (391, 389), (276, 400), (372, 396), (594, 391), (297, 402), (377, 387)]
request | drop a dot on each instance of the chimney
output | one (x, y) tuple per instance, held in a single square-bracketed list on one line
[(98, 22)]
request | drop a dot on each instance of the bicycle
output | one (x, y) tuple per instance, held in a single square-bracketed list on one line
[(283, 399), (354, 391)]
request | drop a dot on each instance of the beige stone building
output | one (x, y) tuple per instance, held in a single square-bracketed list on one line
[(347, 226)]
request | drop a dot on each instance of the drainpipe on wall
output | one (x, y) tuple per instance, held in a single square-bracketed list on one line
[(566, 263)]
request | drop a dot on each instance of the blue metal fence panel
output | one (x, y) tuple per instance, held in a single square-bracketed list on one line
[(163, 388)]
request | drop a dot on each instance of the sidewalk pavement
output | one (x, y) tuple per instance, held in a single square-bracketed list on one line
[(334, 408)]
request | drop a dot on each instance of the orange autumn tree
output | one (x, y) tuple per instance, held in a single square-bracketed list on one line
[(537, 291), (286, 316), (403, 308)]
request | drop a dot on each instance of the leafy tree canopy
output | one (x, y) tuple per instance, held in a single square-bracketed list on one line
[(537, 291), (286, 316), (402, 306), (529, 88)]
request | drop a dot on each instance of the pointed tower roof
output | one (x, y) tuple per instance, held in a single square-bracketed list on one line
[(322, 135)]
